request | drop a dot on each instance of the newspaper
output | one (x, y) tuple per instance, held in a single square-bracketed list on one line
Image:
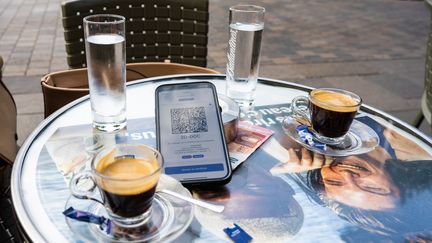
[(249, 138)]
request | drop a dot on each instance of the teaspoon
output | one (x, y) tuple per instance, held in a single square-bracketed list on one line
[(210, 206)]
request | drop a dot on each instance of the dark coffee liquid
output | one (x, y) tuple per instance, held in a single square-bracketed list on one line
[(129, 205), (127, 192), (332, 113)]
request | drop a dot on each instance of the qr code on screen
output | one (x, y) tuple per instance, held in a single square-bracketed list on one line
[(188, 120)]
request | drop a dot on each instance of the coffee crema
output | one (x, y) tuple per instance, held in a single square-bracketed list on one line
[(128, 184), (334, 101), (125, 174)]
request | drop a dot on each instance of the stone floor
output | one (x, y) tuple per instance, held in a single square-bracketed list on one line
[(375, 48)]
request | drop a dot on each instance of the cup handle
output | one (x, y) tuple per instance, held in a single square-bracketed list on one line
[(300, 110), (76, 184)]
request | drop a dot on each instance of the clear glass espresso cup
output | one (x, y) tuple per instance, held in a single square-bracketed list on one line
[(329, 113), (126, 176)]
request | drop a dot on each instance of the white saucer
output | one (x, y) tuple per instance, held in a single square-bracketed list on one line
[(170, 217), (360, 139)]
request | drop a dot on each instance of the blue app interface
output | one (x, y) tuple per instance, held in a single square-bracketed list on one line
[(191, 140)]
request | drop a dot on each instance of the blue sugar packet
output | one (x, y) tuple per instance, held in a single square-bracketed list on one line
[(237, 234), (307, 137), (104, 223)]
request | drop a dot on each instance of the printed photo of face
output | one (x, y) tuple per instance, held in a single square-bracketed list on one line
[(360, 182)]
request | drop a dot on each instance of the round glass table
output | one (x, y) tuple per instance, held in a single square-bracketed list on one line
[(281, 192)]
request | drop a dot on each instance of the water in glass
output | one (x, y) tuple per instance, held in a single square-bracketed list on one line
[(107, 76), (243, 61)]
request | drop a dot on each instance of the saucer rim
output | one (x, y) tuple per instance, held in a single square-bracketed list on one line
[(339, 153)]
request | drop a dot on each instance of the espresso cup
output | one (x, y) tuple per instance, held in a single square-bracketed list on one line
[(329, 112), (126, 176)]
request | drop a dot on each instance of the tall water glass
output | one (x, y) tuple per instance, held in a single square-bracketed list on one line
[(246, 27), (106, 63)]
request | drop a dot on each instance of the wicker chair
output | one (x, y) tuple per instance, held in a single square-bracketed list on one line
[(60, 88), (426, 100), (157, 30)]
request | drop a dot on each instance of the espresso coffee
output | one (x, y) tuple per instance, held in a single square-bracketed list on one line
[(332, 113), (128, 192)]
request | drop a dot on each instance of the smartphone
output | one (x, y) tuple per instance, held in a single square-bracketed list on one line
[(190, 135)]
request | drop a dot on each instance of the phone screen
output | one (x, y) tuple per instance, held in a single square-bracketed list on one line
[(190, 132)]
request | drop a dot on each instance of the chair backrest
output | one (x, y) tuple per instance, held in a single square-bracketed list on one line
[(156, 30), (60, 88), (8, 123)]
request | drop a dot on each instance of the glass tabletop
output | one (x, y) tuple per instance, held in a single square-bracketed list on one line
[(281, 192)]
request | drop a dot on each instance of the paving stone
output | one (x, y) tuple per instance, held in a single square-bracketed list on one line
[(37, 57), (405, 87), (14, 68), (58, 67), (14, 73), (37, 71), (329, 69), (282, 60), (39, 64), (16, 61), (29, 103), (23, 84), (284, 72), (313, 83)]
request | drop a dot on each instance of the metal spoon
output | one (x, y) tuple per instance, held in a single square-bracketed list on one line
[(210, 206)]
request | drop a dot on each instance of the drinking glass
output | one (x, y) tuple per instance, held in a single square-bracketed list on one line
[(106, 63), (126, 176), (246, 24)]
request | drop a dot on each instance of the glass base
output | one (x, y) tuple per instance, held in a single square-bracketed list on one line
[(242, 94), (244, 103), (130, 222), (327, 140), (109, 127)]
